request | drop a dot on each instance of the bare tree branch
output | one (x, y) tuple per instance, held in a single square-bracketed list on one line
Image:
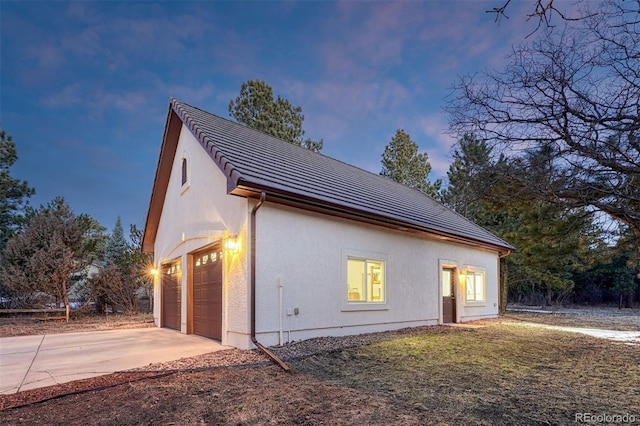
[(575, 93)]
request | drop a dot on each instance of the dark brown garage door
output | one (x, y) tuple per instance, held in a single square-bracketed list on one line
[(171, 280), (207, 293)]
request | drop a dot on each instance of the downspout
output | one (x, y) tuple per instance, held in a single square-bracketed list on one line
[(270, 354)]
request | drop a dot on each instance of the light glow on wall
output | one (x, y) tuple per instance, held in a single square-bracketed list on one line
[(232, 244)]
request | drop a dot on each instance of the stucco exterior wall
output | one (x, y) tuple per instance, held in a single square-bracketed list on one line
[(301, 260), (196, 215), (301, 263)]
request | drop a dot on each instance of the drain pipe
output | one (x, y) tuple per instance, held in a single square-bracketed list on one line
[(270, 354)]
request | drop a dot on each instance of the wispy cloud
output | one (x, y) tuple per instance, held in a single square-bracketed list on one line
[(331, 107)]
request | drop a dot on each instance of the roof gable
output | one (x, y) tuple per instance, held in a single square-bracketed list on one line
[(254, 162)]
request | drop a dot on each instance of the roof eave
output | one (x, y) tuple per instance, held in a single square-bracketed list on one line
[(253, 190)]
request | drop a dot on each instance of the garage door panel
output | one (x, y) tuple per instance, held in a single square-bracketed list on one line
[(207, 293), (171, 296)]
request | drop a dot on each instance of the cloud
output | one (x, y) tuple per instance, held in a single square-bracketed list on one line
[(368, 37), (70, 95), (95, 101), (47, 55), (331, 108)]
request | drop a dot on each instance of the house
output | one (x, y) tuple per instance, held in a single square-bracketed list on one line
[(260, 240)]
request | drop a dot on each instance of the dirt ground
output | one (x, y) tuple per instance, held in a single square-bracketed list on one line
[(501, 373)]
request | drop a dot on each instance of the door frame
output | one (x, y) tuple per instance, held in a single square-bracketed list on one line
[(455, 267)]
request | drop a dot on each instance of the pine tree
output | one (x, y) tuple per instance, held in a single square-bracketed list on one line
[(117, 248), (468, 175), (401, 162), (255, 107), (14, 193)]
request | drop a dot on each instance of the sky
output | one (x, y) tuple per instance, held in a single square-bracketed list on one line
[(85, 86)]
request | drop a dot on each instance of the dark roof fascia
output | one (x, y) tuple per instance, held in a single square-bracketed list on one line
[(161, 179), (247, 190)]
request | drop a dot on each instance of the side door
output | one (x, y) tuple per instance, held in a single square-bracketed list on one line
[(448, 295)]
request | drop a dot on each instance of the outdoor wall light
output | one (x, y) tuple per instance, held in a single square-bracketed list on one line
[(232, 244), (153, 271)]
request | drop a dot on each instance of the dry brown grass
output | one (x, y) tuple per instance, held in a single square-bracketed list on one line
[(610, 318), (25, 326), (502, 374)]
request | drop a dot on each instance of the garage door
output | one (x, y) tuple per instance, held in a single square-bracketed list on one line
[(207, 293), (171, 295)]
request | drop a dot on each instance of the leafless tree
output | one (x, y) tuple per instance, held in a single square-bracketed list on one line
[(575, 93), (543, 13)]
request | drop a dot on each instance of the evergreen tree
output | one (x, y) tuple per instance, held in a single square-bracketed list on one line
[(127, 271), (14, 193), (117, 247), (42, 259), (255, 107), (94, 240), (469, 177), (552, 240), (613, 276), (402, 163)]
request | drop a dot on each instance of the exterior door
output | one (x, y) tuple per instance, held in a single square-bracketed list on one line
[(171, 295), (207, 292), (448, 295)]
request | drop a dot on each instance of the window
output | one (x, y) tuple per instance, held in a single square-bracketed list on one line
[(365, 280), (184, 171), (474, 284)]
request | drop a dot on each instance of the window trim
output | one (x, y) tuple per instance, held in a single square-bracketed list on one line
[(347, 306), (475, 270)]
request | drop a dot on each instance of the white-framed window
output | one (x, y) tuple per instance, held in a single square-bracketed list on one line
[(365, 281), (474, 285)]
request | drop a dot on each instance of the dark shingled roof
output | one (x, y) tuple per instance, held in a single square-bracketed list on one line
[(254, 161)]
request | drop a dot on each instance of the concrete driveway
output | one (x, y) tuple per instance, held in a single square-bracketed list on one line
[(29, 362)]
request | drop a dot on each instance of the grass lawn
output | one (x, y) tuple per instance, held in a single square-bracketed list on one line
[(502, 374)]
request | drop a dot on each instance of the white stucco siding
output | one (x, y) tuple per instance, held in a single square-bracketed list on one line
[(198, 214), (306, 254)]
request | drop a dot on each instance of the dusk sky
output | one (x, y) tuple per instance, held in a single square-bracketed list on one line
[(85, 86)]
